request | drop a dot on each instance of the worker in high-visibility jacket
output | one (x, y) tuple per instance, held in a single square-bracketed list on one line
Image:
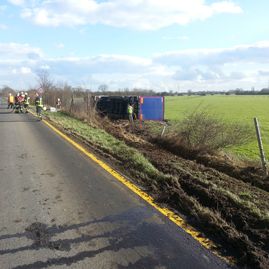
[(10, 101), (26, 102), (130, 111), (38, 105)]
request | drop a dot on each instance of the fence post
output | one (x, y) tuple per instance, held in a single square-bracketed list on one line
[(88, 104), (164, 128), (259, 137), (72, 103)]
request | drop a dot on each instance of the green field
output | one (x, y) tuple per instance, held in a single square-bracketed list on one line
[(231, 108)]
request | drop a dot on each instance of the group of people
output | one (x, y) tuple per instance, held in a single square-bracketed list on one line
[(21, 101), (18, 102)]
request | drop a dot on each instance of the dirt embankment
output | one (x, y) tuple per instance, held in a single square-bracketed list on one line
[(246, 173), (228, 203)]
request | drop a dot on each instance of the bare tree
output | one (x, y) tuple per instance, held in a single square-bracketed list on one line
[(103, 88), (44, 80), (46, 84)]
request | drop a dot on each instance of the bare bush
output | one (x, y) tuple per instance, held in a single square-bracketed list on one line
[(202, 131), (82, 106), (76, 102)]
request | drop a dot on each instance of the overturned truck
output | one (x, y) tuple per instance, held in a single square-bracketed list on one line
[(145, 107)]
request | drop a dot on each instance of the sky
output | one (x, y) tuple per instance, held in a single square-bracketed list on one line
[(164, 45)]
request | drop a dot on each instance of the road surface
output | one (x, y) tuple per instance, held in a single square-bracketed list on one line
[(58, 209)]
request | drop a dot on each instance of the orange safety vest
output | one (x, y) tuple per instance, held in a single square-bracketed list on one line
[(11, 99)]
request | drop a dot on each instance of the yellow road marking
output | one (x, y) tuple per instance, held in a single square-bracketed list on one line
[(207, 243)]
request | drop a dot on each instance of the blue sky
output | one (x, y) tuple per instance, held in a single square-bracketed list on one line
[(159, 44)]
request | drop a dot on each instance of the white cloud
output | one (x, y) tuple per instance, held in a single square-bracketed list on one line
[(208, 69), (135, 14), (25, 70), (59, 46), (264, 73), (101, 64), (19, 52), (45, 67), (21, 71), (258, 52), (3, 26), (180, 38), (16, 2), (218, 68)]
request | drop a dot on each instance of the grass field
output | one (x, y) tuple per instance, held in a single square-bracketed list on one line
[(231, 108)]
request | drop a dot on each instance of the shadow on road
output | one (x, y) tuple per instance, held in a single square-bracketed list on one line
[(131, 232)]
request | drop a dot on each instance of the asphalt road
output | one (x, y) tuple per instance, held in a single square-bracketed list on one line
[(58, 209)]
